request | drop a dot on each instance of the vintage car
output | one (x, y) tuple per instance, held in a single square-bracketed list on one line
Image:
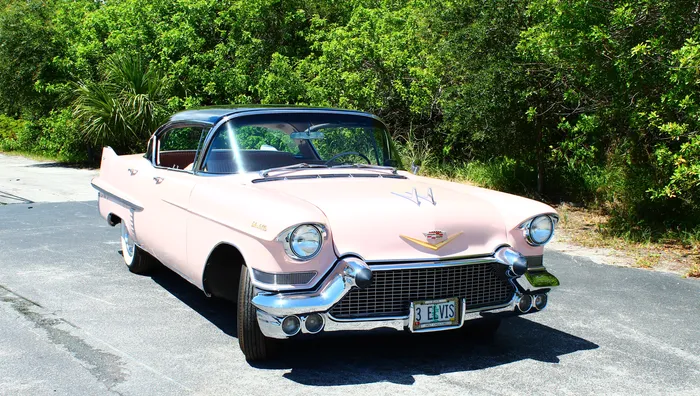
[(302, 217)]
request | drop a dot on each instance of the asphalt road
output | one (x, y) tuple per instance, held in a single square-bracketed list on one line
[(74, 321)]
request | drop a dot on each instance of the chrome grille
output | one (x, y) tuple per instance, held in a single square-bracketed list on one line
[(392, 291)]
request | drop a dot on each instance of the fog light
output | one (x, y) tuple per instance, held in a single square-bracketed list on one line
[(525, 303), (313, 323), (540, 301), (291, 325)]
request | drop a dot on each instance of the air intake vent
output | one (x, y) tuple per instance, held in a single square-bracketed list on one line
[(290, 278)]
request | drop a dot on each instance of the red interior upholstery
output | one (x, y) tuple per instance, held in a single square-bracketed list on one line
[(176, 159), (222, 161)]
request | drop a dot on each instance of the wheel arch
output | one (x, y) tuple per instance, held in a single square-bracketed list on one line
[(222, 271), (113, 219)]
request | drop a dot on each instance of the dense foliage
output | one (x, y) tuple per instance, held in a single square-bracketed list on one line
[(593, 101)]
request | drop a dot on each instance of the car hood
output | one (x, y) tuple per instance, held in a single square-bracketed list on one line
[(381, 219)]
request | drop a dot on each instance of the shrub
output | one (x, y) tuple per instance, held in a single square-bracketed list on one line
[(56, 136), (9, 128), (60, 136)]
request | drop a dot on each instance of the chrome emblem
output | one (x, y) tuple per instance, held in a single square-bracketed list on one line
[(414, 197), (435, 239)]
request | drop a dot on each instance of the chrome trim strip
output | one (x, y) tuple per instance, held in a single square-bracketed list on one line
[(319, 176), (114, 197), (368, 319), (431, 264), (429, 260)]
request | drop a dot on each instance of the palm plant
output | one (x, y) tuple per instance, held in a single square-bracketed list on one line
[(122, 109)]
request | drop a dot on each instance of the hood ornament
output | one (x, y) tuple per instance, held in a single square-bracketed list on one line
[(434, 239), (415, 198)]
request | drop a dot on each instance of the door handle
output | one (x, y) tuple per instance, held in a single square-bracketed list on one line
[(158, 179), (132, 171)]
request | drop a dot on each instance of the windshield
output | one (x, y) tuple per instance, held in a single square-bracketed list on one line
[(259, 142)]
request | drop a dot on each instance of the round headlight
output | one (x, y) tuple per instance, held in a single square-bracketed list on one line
[(540, 230), (305, 241)]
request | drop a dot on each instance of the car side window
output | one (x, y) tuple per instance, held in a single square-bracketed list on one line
[(177, 147)]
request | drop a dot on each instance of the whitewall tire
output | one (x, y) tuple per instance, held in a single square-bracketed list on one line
[(135, 258)]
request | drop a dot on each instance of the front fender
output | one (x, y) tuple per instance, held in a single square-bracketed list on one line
[(250, 220)]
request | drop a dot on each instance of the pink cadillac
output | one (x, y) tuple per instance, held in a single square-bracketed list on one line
[(303, 217)]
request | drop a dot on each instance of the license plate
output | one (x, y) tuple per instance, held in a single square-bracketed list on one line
[(435, 313)]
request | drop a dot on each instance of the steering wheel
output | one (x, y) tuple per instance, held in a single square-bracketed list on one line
[(343, 154)]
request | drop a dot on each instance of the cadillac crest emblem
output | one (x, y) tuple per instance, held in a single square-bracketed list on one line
[(435, 237)]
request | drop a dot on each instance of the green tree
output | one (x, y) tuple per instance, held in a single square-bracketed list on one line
[(29, 44), (618, 91)]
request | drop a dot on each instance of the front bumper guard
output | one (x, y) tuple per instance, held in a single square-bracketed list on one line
[(272, 308), (346, 275)]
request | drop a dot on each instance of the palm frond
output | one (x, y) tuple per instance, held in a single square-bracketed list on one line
[(124, 108)]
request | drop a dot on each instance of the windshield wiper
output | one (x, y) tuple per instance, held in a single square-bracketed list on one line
[(367, 166), (304, 165)]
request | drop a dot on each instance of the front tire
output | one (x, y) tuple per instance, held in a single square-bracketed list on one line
[(254, 345), (136, 259)]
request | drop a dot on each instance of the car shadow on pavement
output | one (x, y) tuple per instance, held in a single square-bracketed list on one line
[(349, 358), (72, 165), (397, 357), (220, 313)]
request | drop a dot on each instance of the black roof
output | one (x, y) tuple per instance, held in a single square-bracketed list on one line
[(213, 115)]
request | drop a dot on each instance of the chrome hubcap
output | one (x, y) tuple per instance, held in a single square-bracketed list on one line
[(128, 241)]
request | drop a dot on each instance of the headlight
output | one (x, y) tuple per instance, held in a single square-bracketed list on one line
[(304, 242), (539, 230)]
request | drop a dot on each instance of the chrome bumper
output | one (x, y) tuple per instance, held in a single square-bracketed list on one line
[(272, 308), (344, 277)]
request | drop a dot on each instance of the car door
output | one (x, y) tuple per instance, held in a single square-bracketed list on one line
[(172, 181)]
